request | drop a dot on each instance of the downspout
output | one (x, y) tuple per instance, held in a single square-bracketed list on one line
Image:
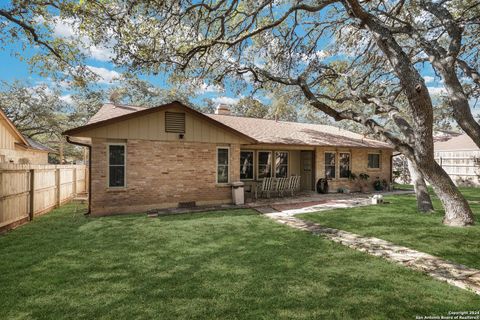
[(89, 170)]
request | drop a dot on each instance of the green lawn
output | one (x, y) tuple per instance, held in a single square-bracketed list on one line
[(399, 222), (217, 265)]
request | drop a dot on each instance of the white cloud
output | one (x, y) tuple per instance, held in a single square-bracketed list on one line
[(67, 98), (208, 88), (106, 76), (437, 90), (428, 79), (225, 100), (68, 28), (101, 53), (319, 54), (64, 28)]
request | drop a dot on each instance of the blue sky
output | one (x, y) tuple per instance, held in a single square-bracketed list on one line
[(12, 68)]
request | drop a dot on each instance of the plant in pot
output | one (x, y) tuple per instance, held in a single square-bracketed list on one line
[(378, 184), (363, 178)]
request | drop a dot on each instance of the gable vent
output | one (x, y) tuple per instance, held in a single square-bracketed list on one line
[(175, 122)]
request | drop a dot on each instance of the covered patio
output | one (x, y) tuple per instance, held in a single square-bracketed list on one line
[(305, 202)]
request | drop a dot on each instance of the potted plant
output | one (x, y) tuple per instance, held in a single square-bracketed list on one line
[(363, 178), (378, 184)]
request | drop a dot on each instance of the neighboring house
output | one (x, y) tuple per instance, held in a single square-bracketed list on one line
[(172, 155), (460, 158), (16, 148)]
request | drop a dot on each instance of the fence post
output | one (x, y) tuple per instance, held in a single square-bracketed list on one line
[(57, 182), (86, 179), (74, 187), (31, 212)]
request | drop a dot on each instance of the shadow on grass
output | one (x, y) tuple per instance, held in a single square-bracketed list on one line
[(219, 265)]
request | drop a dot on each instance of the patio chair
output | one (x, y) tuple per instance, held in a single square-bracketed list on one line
[(282, 185), (268, 185), (294, 184)]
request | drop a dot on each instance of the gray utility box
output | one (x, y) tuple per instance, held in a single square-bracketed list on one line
[(238, 195)]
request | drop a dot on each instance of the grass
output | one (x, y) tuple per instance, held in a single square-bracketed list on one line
[(398, 221), (217, 265)]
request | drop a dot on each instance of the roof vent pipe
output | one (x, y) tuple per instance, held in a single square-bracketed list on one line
[(223, 109)]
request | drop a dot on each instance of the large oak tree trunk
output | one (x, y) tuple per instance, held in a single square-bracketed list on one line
[(457, 210), (459, 102), (424, 202), (420, 146)]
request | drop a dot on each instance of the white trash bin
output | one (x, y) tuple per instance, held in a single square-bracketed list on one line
[(238, 193)]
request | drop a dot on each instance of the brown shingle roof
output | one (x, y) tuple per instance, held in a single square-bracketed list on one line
[(108, 111), (462, 142), (283, 132), (263, 130)]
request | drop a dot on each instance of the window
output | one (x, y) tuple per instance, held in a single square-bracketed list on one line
[(116, 165), (330, 165), (175, 122), (223, 160), (344, 164), (281, 164), (246, 165), (264, 164), (374, 161)]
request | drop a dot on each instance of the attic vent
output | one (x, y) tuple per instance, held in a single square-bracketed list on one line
[(175, 122)]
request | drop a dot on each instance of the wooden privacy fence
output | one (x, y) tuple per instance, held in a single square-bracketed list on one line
[(30, 190)]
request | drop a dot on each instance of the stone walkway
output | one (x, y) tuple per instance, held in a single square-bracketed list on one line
[(455, 274)]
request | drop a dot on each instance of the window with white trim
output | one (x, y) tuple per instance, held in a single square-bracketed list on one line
[(116, 165), (264, 164), (223, 161), (330, 165), (374, 161), (344, 164), (281, 164), (246, 165)]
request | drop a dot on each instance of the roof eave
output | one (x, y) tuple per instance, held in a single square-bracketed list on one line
[(12, 126), (76, 131)]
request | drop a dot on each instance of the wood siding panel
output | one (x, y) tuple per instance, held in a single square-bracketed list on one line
[(152, 127)]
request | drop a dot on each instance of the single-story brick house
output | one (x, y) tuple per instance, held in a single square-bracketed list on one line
[(170, 155), (17, 148)]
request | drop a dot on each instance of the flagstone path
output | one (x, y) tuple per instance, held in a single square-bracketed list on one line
[(453, 273)]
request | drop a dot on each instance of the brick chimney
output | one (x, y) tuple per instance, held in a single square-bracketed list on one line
[(223, 109)]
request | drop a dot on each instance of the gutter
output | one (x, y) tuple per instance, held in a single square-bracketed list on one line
[(89, 170)]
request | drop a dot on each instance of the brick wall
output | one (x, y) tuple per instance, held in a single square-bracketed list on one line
[(359, 164), (160, 175)]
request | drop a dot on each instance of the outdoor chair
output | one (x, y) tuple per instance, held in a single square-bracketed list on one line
[(294, 184), (268, 185), (282, 185)]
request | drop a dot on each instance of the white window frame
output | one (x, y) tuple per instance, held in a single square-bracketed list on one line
[(349, 163), (216, 165), (379, 161), (274, 171), (253, 164), (124, 165), (258, 164), (336, 164)]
